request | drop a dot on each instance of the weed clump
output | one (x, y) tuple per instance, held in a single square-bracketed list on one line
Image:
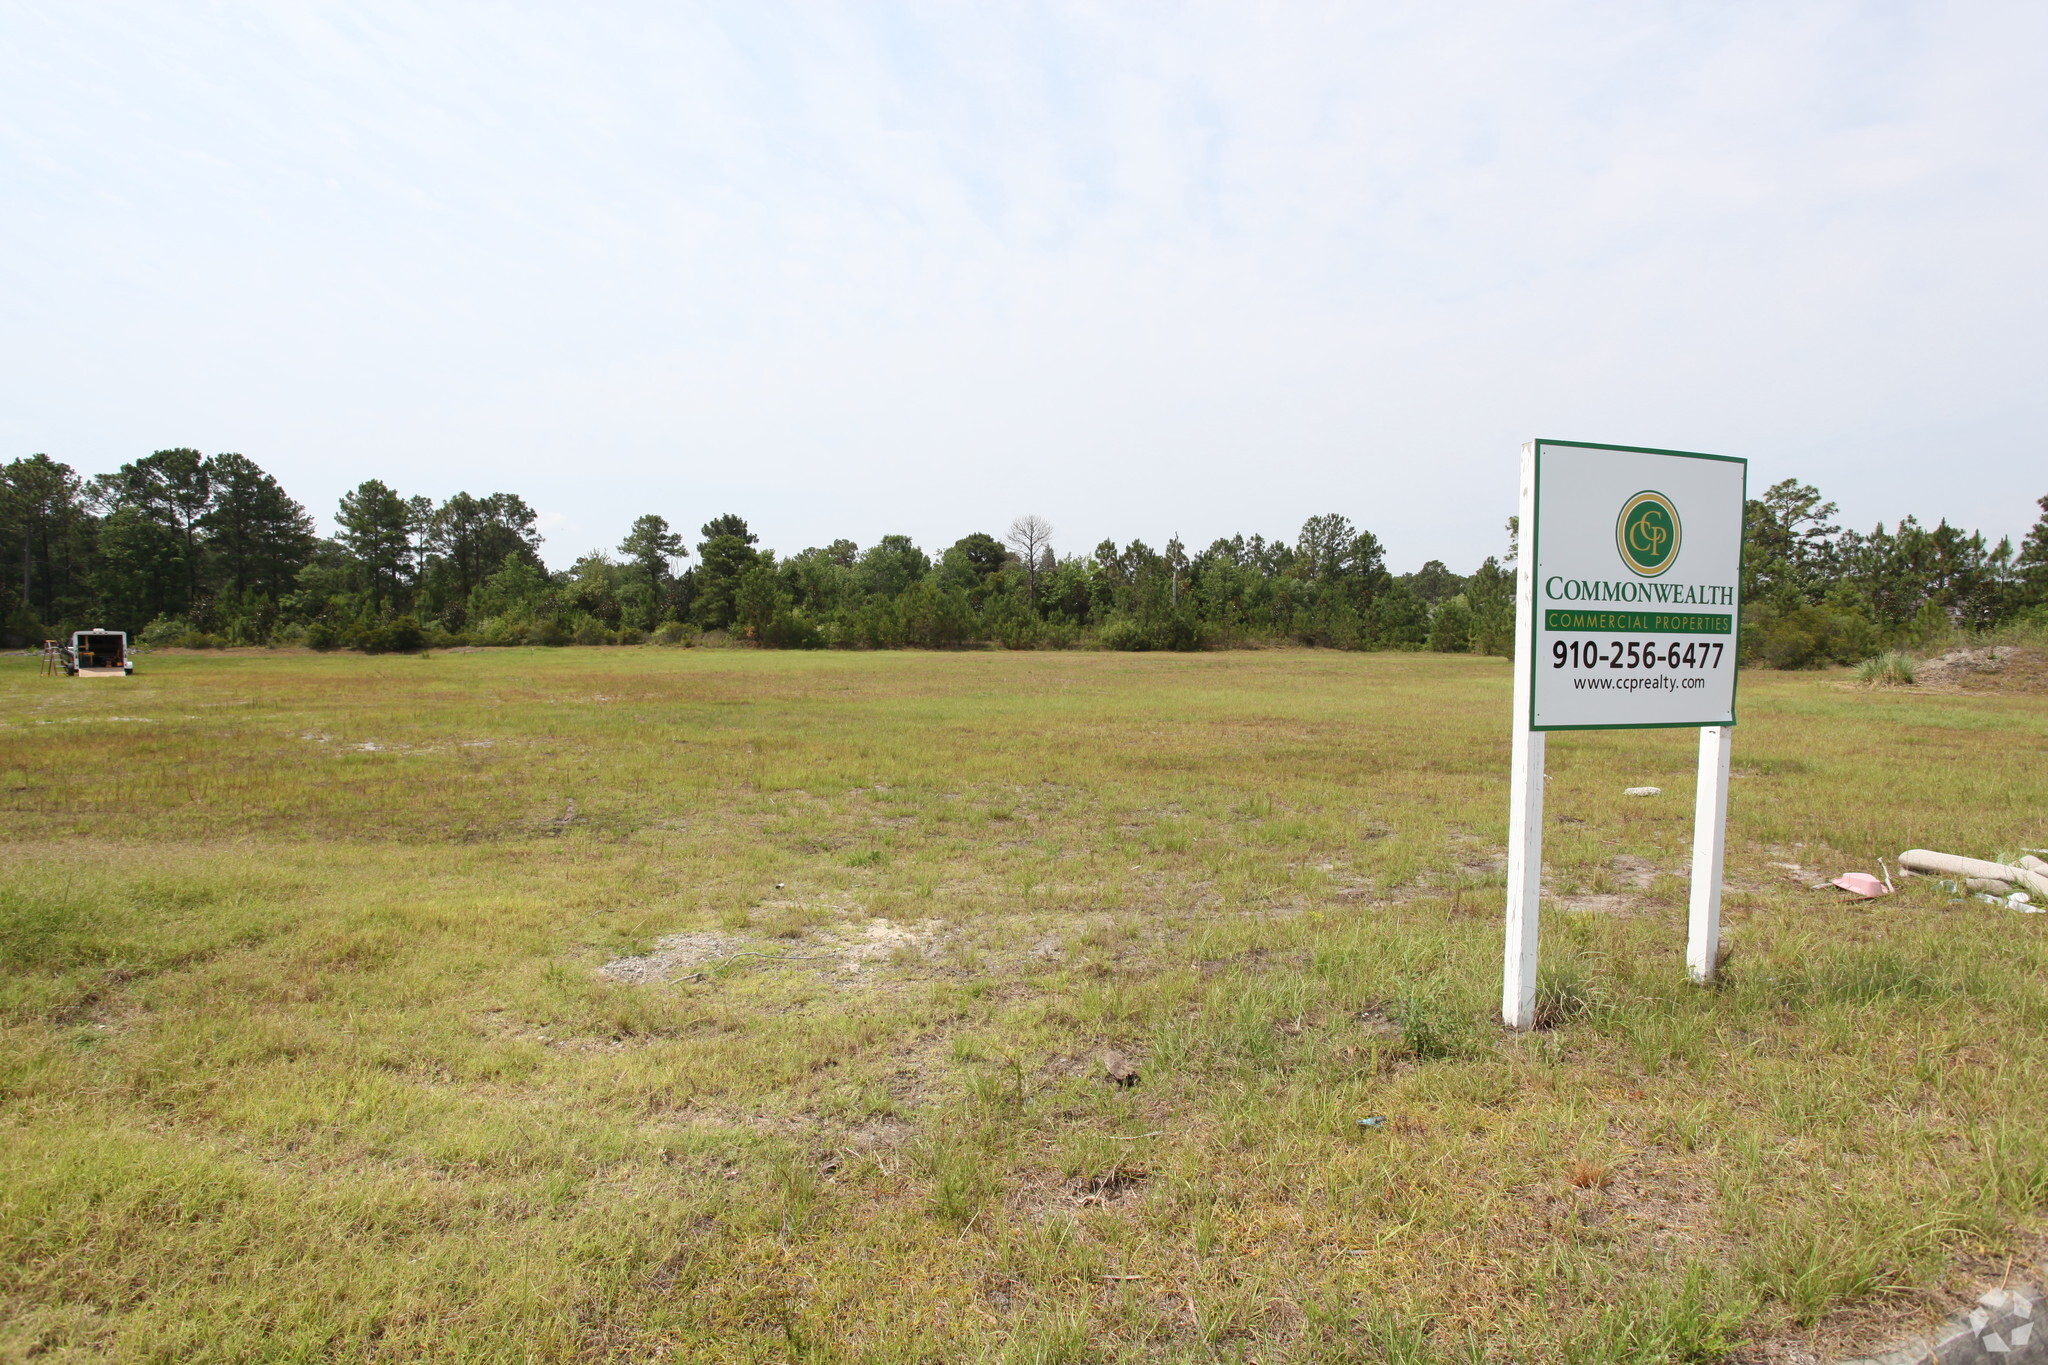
[(1565, 992), (1893, 668), (1432, 1030)]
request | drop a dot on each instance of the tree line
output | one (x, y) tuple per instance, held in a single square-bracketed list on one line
[(1815, 593), (180, 548)]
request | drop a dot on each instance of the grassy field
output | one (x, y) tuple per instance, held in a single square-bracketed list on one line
[(309, 1049)]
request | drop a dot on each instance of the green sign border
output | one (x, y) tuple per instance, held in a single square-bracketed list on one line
[(1536, 544)]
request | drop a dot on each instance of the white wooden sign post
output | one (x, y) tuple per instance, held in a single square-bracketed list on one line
[(1627, 608)]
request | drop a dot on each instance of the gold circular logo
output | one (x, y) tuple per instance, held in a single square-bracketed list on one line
[(1647, 533)]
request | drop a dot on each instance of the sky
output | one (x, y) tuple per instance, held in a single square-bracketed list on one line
[(1144, 270)]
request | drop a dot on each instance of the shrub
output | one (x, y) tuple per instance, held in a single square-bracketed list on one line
[(497, 630), (677, 633), (1329, 622), (935, 617), (1010, 624), (1893, 668), (878, 625), (1124, 633), (1450, 631), (1180, 630), (1432, 1028), (174, 632), (789, 629), (399, 636), (163, 633), (1807, 637), (1397, 619), (1055, 633)]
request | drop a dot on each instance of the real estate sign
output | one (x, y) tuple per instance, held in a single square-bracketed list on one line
[(1637, 560), (1628, 602)]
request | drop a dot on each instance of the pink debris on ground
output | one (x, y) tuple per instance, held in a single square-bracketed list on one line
[(1861, 884)]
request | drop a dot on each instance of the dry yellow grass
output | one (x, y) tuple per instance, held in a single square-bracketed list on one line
[(306, 1054)]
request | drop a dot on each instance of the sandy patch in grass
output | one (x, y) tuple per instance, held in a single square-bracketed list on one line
[(675, 955), (882, 940), (846, 952), (1620, 888)]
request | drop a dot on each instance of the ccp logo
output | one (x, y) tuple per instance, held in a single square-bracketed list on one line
[(1647, 533)]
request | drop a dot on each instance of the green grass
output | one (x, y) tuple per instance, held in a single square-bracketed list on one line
[(305, 1053)]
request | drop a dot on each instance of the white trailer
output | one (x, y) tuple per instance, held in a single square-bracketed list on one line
[(97, 654)]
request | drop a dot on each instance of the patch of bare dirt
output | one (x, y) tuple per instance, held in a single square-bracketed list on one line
[(847, 952), (918, 1071), (1628, 875), (1597, 903), (1106, 1187), (1043, 1193), (1669, 1204), (878, 1135), (1637, 872), (884, 940), (1989, 668), (673, 956)]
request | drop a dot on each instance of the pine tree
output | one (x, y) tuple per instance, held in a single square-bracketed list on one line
[(2033, 562), (257, 537), (376, 527)]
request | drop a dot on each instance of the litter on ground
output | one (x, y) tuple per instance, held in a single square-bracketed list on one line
[(1966, 869)]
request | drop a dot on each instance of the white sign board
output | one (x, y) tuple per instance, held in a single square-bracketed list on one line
[(1627, 608), (1637, 559)]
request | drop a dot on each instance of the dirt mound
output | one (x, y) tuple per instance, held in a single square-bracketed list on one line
[(1988, 668)]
